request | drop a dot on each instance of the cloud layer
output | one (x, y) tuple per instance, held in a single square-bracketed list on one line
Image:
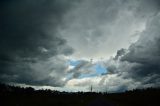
[(38, 38), (138, 66), (135, 67), (29, 42), (98, 29)]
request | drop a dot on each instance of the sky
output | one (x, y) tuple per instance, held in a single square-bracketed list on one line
[(70, 45)]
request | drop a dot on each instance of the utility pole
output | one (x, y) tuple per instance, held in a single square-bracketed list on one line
[(91, 88)]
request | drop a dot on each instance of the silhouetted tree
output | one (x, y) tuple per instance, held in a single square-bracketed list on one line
[(20, 96)]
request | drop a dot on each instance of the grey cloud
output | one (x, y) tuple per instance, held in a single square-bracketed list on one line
[(24, 26), (109, 83), (98, 29), (82, 68), (120, 53), (146, 51), (135, 67), (29, 39), (35, 35), (141, 61)]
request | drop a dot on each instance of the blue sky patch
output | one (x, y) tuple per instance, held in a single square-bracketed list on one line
[(97, 70), (74, 62), (100, 69)]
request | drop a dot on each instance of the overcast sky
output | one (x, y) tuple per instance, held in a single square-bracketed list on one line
[(113, 45)]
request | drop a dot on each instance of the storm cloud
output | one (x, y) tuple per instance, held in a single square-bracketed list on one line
[(138, 65), (98, 29), (29, 40), (38, 38)]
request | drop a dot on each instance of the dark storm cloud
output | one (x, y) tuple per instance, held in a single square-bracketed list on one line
[(28, 38), (141, 62), (24, 25), (98, 28), (120, 53), (146, 52), (35, 34)]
